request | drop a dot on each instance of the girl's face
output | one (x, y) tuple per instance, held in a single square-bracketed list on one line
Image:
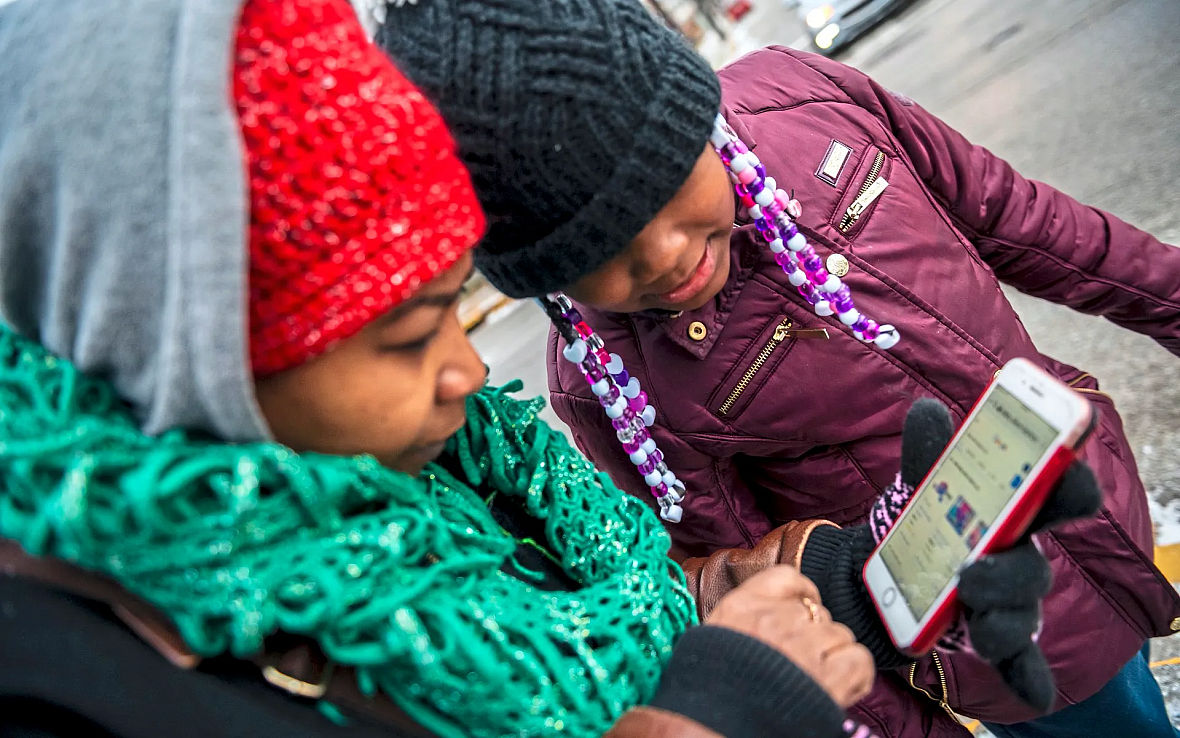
[(396, 389), (680, 261)]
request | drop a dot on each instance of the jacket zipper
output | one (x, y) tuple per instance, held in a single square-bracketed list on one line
[(942, 683), (872, 188), (781, 333)]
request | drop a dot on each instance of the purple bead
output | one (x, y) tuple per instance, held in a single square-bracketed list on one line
[(657, 456), (573, 316), (843, 306), (623, 378), (620, 422), (843, 293), (861, 324), (610, 398), (821, 275), (871, 332), (730, 151), (638, 402), (631, 447), (761, 169), (647, 467), (660, 490), (790, 232), (783, 259), (755, 187), (594, 372), (812, 264), (642, 435)]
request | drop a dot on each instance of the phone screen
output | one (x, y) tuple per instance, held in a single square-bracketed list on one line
[(972, 485)]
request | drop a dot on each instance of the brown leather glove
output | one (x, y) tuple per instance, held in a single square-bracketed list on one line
[(711, 578)]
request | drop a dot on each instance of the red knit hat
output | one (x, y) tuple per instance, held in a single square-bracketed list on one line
[(357, 198)]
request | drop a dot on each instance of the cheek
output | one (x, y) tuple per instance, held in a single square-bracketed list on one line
[(610, 288), (350, 407)]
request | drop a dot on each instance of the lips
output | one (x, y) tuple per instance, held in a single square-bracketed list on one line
[(696, 281)]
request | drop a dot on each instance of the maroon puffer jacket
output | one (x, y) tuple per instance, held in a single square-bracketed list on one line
[(767, 422)]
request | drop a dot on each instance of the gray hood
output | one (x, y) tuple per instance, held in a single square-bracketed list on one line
[(123, 206)]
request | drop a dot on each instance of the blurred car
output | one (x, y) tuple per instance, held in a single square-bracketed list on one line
[(833, 25)]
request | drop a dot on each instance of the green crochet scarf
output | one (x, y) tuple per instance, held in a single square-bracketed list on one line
[(400, 577)]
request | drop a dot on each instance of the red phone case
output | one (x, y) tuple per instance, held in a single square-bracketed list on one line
[(1027, 507)]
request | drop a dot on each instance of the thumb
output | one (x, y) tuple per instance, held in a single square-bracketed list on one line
[(928, 429), (1027, 674)]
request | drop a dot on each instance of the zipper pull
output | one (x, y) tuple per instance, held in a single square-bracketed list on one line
[(866, 198), (784, 332)]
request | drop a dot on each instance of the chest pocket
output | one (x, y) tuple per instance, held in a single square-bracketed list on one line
[(747, 376)]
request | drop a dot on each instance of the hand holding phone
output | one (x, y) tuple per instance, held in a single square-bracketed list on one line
[(964, 541), (1000, 594)]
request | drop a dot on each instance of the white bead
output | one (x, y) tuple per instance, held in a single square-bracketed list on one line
[(764, 198), (648, 416), (887, 338), (777, 246), (739, 164), (755, 212), (797, 277), (575, 352), (669, 479), (632, 388), (649, 445), (850, 317), (753, 159), (832, 284), (652, 478), (615, 365), (719, 138), (771, 184), (797, 242), (600, 388), (672, 513), (638, 457), (616, 410), (823, 308)]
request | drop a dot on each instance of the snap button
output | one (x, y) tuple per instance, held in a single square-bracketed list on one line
[(1176, 625), (838, 265), (697, 331)]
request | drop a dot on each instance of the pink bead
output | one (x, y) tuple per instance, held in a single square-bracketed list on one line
[(872, 331), (632, 446), (603, 356), (638, 402), (660, 490), (782, 199), (747, 175), (748, 201), (584, 330)]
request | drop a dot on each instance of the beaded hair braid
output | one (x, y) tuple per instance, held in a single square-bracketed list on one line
[(774, 214)]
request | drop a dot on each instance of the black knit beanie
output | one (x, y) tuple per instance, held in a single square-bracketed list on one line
[(578, 119)]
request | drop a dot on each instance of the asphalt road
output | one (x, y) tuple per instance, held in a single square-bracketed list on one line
[(1083, 94)]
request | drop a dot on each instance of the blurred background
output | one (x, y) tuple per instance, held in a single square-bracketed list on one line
[(1083, 94)]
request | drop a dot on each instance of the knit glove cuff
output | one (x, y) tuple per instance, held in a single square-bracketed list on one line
[(752, 690), (834, 559)]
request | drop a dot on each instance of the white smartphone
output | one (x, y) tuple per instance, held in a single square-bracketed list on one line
[(980, 497)]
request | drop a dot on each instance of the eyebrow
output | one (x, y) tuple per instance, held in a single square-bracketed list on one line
[(420, 300)]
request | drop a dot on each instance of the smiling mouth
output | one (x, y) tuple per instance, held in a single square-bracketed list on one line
[(695, 282)]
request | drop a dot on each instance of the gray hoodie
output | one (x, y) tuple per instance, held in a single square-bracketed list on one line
[(123, 206)]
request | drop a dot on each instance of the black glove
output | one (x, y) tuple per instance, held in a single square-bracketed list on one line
[(1001, 594)]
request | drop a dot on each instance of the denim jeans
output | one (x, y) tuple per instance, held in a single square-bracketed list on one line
[(1129, 705)]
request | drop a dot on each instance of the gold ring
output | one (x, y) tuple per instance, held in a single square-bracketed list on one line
[(812, 609)]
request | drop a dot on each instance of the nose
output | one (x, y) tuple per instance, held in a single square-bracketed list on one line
[(662, 254), (463, 372)]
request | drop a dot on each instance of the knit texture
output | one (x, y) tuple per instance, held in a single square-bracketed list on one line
[(834, 559), (578, 119), (400, 577), (738, 686), (356, 195)]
